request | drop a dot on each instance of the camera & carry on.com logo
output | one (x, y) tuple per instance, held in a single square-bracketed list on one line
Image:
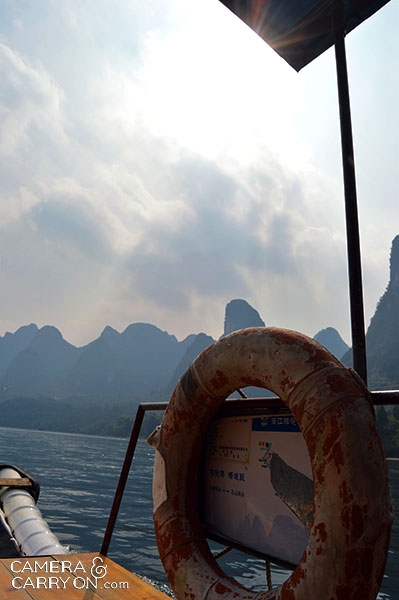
[(59, 575)]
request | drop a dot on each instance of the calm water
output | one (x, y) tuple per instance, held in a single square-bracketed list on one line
[(78, 476)]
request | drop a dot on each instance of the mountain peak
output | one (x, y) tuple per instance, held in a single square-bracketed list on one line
[(239, 315), (50, 332), (330, 339), (139, 328), (394, 261), (108, 332), (24, 331), (48, 338)]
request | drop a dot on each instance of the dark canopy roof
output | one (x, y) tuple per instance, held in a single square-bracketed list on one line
[(300, 30)]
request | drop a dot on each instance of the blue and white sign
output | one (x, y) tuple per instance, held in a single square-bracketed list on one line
[(258, 484)]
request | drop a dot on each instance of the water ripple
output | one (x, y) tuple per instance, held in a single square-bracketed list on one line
[(78, 476)]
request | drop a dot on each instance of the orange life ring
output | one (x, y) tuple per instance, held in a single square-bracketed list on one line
[(349, 537)]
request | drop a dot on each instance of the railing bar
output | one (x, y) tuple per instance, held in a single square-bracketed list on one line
[(379, 398), (134, 436), (385, 397)]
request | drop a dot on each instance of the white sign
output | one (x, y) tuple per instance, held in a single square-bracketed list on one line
[(258, 488)]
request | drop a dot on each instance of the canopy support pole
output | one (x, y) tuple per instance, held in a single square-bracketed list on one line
[(352, 222)]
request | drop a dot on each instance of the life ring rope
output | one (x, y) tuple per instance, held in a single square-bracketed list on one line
[(349, 537)]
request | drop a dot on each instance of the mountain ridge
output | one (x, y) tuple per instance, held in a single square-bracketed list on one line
[(139, 361), (144, 360), (47, 383)]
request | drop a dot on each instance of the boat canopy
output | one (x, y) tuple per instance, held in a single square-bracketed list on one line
[(299, 31)]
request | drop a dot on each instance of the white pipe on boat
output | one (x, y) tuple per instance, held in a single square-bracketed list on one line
[(26, 522)]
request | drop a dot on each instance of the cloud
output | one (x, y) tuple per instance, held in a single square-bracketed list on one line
[(71, 221), (30, 105), (153, 172), (229, 238)]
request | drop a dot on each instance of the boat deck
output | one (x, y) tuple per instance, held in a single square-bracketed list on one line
[(71, 576)]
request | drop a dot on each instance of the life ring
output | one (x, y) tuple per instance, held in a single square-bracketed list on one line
[(349, 537)]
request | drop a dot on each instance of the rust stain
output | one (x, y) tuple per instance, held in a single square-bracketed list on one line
[(338, 456), (220, 588), (297, 576), (219, 380), (318, 474), (345, 493), (352, 519), (321, 532), (332, 436)]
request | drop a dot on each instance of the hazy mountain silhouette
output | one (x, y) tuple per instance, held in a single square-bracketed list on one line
[(382, 337), (13, 343), (144, 360), (239, 315), (130, 364), (330, 339), (199, 343), (46, 382), (134, 363), (41, 366), (141, 362)]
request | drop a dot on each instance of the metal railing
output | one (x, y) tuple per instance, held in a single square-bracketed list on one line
[(379, 398)]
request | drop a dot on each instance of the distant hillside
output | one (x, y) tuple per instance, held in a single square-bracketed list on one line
[(129, 364), (199, 343), (382, 337), (47, 383), (141, 361), (41, 366), (39, 363), (330, 339), (13, 343)]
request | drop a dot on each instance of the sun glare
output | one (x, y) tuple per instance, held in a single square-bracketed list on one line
[(216, 93)]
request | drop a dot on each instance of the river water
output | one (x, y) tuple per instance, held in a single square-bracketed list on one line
[(78, 476)]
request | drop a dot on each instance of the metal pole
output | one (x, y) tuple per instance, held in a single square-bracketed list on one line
[(352, 222), (134, 436)]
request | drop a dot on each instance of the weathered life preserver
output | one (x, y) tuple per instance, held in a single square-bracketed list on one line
[(349, 537)]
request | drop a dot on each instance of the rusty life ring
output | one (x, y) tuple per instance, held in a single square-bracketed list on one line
[(349, 537)]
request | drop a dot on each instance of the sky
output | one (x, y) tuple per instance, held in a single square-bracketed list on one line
[(158, 159)]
